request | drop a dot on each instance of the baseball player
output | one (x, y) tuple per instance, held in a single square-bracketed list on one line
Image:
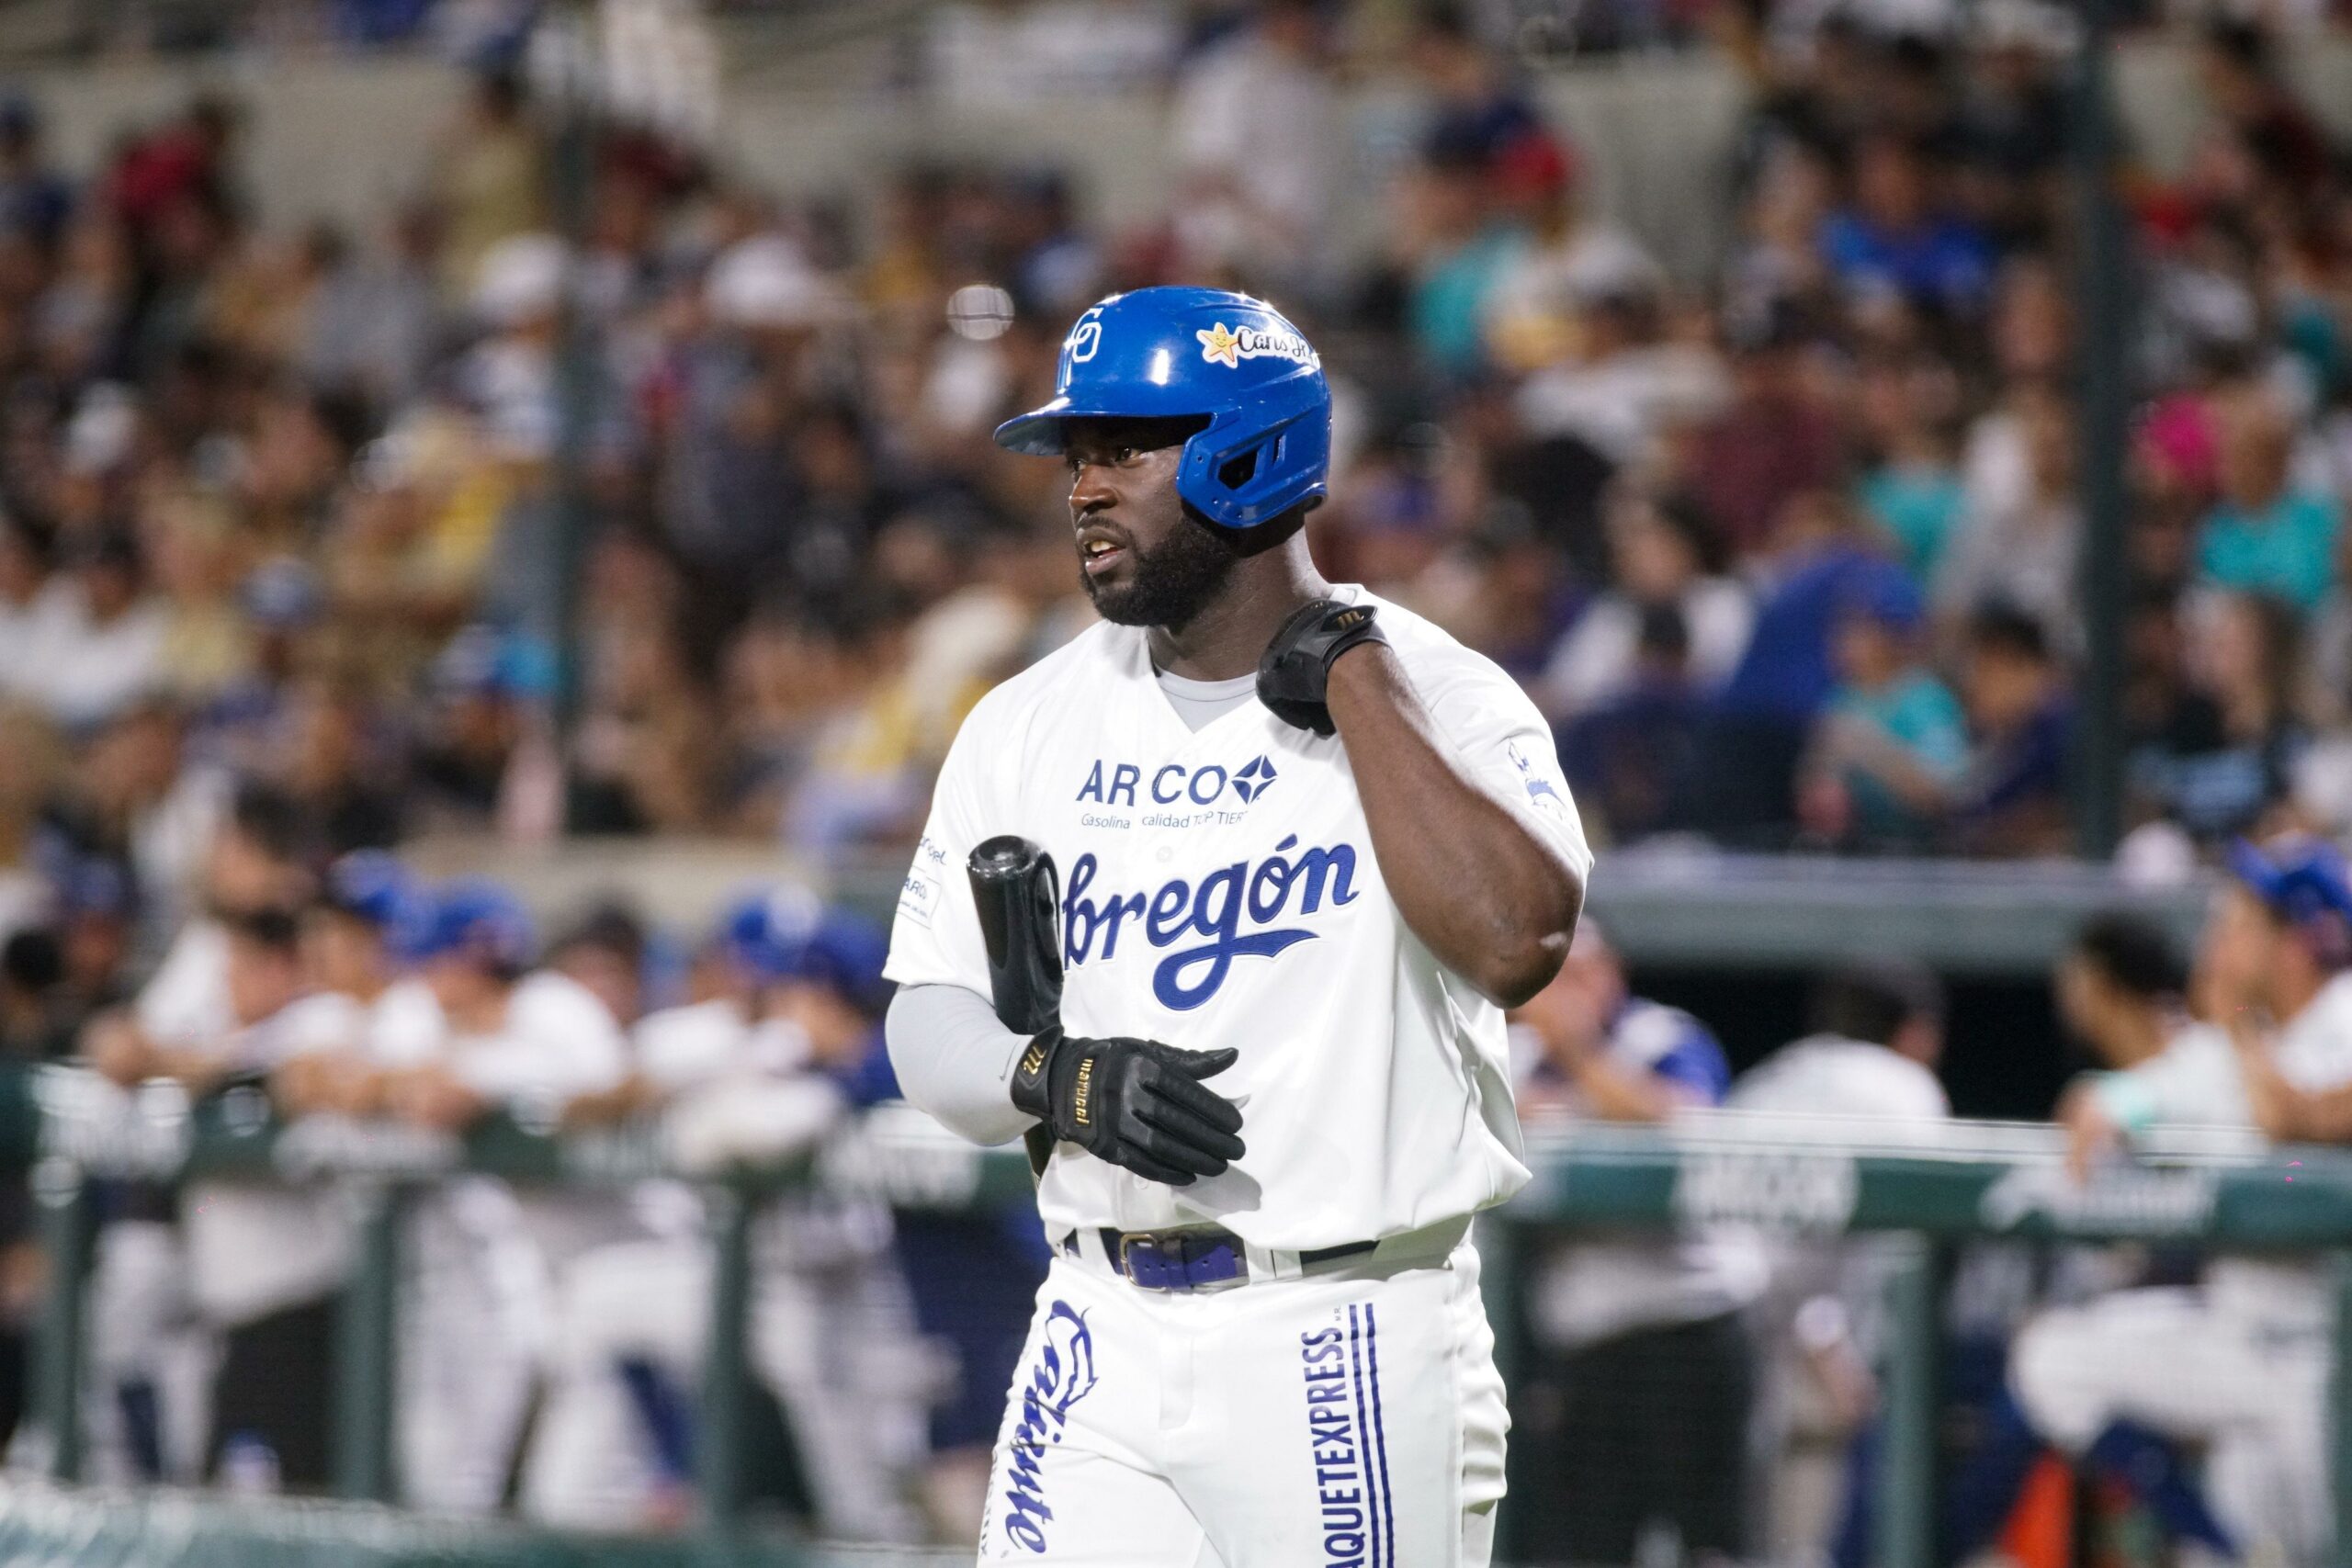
[(1639, 1397), (1877, 1032), (514, 1039), (2239, 1363), (761, 1070), (151, 1354), (1309, 848)]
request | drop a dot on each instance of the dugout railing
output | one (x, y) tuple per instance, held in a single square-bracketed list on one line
[(1939, 1184)]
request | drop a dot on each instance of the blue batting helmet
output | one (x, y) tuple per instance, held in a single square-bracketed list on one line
[(2303, 881), (845, 956), (1169, 353), (374, 886), (476, 918), (788, 933), (764, 923)]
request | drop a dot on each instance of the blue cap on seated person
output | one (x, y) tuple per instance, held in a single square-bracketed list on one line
[(2302, 880), (374, 886), (788, 933), (844, 953), (477, 918), (764, 921), (1884, 593)]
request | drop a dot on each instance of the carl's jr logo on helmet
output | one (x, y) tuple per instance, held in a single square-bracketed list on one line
[(1229, 347)]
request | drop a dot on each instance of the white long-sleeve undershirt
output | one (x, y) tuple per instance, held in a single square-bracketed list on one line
[(954, 1060)]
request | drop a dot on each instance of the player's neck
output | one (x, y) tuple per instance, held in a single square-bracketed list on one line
[(1225, 640)]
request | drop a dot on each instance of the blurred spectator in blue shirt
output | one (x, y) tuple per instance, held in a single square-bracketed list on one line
[(1891, 744), (1787, 671), (1627, 757), (1894, 238), (2012, 800), (35, 200), (1741, 789), (1478, 107)]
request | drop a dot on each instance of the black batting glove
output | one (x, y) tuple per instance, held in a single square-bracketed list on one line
[(1296, 667), (1136, 1103)]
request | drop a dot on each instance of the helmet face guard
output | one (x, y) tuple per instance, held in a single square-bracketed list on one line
[(1173, 353)]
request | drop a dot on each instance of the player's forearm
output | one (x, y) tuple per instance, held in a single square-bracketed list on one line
[(1493, 899), (1615, 1094), (954, 1060)]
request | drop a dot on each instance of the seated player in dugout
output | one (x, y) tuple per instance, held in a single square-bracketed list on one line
[(1310, 848)]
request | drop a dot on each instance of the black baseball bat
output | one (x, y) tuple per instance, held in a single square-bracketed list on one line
[(1019, 899)]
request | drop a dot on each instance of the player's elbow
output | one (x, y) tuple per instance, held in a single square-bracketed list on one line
[(1510, 976), (1522, 956)]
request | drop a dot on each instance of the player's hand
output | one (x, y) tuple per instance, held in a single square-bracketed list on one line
[(2091, 1134), (117, 1047), (1296, 667), (1136, 1103)]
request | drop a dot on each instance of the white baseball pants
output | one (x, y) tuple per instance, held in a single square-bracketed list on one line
[(1351, 1419), (2254, 1393)]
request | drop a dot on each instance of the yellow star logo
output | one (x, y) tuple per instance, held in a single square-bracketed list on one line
[(1219, 346)]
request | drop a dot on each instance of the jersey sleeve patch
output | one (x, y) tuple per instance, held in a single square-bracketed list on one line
[(919, 894), (1539, 775)]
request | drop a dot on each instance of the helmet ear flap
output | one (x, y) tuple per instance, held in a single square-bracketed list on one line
[(1260, 477)]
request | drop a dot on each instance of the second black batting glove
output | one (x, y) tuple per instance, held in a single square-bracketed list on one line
[(1136, 1103), (1296, 667)]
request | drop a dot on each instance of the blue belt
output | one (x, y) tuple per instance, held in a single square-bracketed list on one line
[(1194, 1258)]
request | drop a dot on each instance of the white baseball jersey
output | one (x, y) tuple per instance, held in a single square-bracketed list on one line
[(558, 1040), (2240, 1366), (1219, 888), (2195, 1081), (254, 1249)]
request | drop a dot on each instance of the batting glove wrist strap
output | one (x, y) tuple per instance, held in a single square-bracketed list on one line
[(1297, 669), (1136, 1103)]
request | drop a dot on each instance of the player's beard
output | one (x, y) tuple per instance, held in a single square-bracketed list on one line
[(1172, 581)]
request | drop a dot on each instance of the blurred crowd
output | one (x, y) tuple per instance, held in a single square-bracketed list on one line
[(690, 522)]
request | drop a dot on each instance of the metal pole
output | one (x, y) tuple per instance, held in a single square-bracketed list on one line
[(1502, 1245), (2339, 1410), (718, 1459), (2103, 283), (69, 1231), (366, 1349), (1904, 1535), (573, 171)]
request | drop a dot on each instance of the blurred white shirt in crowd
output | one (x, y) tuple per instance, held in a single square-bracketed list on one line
[(1253, 128), (87, 671), (28, 632), (1827, 1075), (1596, 660), (1005, 55)]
